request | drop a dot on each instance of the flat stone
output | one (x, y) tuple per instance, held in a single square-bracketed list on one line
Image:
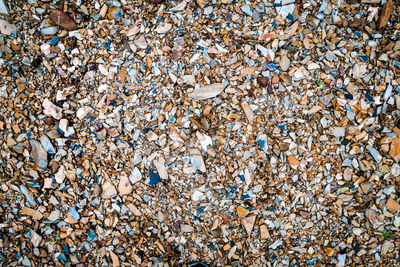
[(115, 259), (208, 91), (242, 212), (293, 162), (248, 223), (395, 149), (52, 110), (264, 234), (47, 145), (109, 190), (39, 154), (124, 186), (392, 205), (186, 228), (284, 63), (248, 111), (385, 14), (62, 19)]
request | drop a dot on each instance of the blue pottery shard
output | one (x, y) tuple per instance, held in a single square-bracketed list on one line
[(153, 178), (91, 236), (73, 213)]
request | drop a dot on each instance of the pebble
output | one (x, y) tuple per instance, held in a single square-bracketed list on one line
[(38, 154), (200, 133), (208, 91)]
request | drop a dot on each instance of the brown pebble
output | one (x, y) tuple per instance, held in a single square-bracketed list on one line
[(262, 81), (385, 14), (62, 19), (355, 23), (49, 121), (156, 1)]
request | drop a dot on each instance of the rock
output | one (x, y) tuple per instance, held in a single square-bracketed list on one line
[(63, 125), (262, 81), (141, 42), (392, 205), (49, 30), (385, 14), (114, 259), (39, 154), (242, 212), (46, 143), (248, 111), (386, 246), (124, 186), (197, 160), (54, 215), (109, 190), (355, 23), (264, 234), (395, 149), (161, 169), (248, 223), (375, 154), (63, 20), (338, 131), (163, 28), (329, 251), (35, 238), (60, 175), (208, 91), (135, 176), (156, 1), (82, 112), (284, 63), (7, 28), (153, 178), (293, 162), (3, 8), (186, 228), (197, 195), (52, 110)]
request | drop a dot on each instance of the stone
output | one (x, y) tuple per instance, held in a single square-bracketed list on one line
[(63, 125), (208, 91), (395, 149), (293, 162), (392, 205), (264, 234), (197, 160), (163, 28), (186, 228), (385, 14), (39, 154), (115, 259), (355, 23), (82, 112), (248, 111), (35, 238), (135, 176), (284, 63), (60, 175), (124, 186), (248, 223), (7, 28), (46, 143), (242, 212), (262, 81), (63, 20), (109, 190), (52, 110)]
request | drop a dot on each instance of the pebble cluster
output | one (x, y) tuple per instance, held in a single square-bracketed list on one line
[(204, 132)]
